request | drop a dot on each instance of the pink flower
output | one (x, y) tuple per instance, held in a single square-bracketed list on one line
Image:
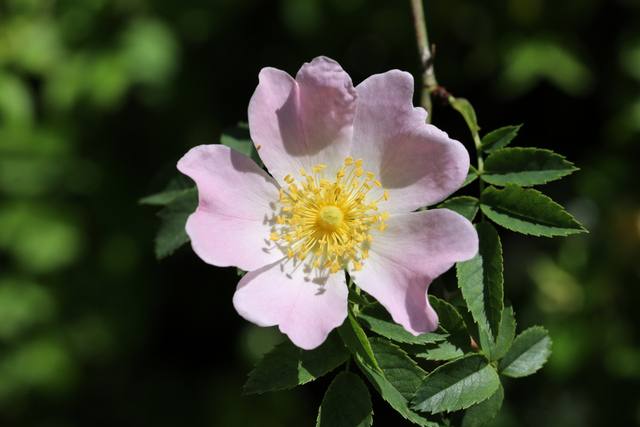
[(348, 168)]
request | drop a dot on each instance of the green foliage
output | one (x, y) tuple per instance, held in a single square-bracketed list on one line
[(346, 404), (525, 166), (402, 377), (499, 138), (239, 139), (527, 212), (467, 111), (171, 234), (471, 176), (356, 341), (378, 320), (287, 366), (457, 341), (528, 353), (465, 205), (495, 349), (481, 413), (457, 385), (481, 282)]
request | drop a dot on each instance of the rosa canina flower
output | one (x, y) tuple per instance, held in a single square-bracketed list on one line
[(348, 167)]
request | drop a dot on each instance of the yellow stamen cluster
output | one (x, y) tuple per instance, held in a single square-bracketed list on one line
[(330, 221)]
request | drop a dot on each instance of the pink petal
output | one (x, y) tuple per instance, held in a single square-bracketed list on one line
[(304, 122), (306, 309), (236, 210), (417, 163), (405, 258)]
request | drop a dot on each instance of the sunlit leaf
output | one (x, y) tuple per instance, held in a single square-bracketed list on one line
[(499, 138), (457, 385), (525, 166), (527, 354), (481, 282), (377, 319), (357, 342), (527, 212)]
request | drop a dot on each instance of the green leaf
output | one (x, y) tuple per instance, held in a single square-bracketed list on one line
[(527, 354), (239, 139), (499, 138), (457, 341), (481, 282), (470, 323), (480, 414), (471, 176), (177, 186), (465, 205), (173, 217), (496, 349), (356, 298), (287, 366), (527, 212), (525, 166), (346, 404), (464, 107), (457, 385), (401, 379), (378, 320), (357, 342)]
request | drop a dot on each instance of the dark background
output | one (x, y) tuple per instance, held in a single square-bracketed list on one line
[(99, 99)]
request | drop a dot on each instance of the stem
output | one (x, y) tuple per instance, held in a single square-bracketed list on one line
[(426, 57), (477, 142)]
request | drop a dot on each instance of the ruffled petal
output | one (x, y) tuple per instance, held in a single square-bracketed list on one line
[(306, 309), (236, 208), (416, 163), (405, 258), (304, 122)]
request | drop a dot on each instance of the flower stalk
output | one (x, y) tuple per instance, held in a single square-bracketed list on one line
[(425, 52)]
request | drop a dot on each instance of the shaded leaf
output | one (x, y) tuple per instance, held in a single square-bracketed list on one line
[(357, 342), (527, 354), (239, 139), (499, 138), (471, 176), (457, 385), (464, 205), (177, 186), (481, 282), (287, 366), (173, 218), (377, 319), (401, 379), (347, 403), (480, 414), (525, 166), (457, 341), (356, 298), (496, 349), (527, 212), (470, 323)]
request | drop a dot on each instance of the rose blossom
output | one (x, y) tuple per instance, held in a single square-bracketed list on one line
[(349, 166)]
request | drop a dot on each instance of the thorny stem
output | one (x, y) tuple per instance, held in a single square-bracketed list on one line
[(426, 57)]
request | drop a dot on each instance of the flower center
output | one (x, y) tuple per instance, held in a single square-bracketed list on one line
[(330, 221), (330, 218)]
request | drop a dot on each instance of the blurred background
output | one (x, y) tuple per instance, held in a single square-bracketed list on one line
[(100, 98)]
